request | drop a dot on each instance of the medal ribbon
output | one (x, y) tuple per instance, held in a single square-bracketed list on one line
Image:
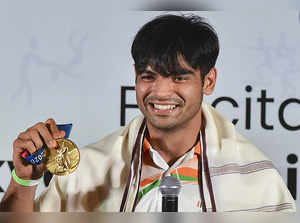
[(38, 157)]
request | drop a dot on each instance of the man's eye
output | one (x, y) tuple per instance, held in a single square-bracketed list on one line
[(180, 78), (147, 77)]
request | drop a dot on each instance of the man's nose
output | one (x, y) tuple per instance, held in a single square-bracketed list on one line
[(163, 87)]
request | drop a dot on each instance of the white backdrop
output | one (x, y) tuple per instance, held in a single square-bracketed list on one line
[(69, 63)]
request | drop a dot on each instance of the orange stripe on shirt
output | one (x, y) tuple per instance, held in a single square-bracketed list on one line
[(186, 171), (150, 180)]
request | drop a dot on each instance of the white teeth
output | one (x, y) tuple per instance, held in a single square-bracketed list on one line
[(164, 107)]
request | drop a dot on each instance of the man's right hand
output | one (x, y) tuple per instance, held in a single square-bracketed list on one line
[(18, 197), (32, 140)]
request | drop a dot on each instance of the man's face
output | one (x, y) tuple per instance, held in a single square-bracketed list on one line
[(169, 102)]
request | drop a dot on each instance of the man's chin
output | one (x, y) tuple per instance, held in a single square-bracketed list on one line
[(162, 124)]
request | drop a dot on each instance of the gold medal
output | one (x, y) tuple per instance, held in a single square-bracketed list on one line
[(63, 160)]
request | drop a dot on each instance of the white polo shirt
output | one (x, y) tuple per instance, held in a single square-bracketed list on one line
[(154, 168)]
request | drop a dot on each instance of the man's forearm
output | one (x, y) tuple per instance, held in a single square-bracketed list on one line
[(18, 198)]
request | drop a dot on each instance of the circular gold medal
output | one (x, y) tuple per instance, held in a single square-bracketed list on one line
[(63, 160)]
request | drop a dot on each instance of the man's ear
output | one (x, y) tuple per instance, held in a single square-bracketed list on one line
[(210, 81)]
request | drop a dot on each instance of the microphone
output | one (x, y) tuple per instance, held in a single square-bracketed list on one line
[(169, 188)]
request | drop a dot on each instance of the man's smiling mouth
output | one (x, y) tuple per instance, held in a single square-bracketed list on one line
[(163, 107)]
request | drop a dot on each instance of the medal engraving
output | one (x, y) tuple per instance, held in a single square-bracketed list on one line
[(63, 160)]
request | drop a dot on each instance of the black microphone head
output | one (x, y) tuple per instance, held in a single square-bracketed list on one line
[(169, 186)]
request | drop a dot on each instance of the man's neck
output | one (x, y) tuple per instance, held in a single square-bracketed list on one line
[(174, 143)]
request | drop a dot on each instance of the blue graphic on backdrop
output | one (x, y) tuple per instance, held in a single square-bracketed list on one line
[(280, 59), (33, 58)]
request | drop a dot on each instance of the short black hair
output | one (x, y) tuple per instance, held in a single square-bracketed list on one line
[(160, 43)]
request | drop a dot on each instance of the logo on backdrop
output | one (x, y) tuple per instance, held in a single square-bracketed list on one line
[(292, 175), (33, 58)]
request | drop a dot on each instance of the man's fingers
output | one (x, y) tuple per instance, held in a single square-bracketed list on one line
[(43, 133), (63, 133), (32, 140), (56, 133), (29, 145), (46, 135), (34, 135), (24, 135), (36, 138), (20, 145)]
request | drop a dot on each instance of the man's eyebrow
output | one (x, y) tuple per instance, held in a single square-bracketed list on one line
[(184, 72), (149, 72), (181, 72)]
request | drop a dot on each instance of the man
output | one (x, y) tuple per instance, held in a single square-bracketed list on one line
[(219, 170)]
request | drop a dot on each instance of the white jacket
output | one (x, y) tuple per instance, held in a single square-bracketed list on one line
[(243, 179)]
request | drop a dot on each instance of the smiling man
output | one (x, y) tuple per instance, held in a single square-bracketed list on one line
[(177, 135), (171, 104)]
